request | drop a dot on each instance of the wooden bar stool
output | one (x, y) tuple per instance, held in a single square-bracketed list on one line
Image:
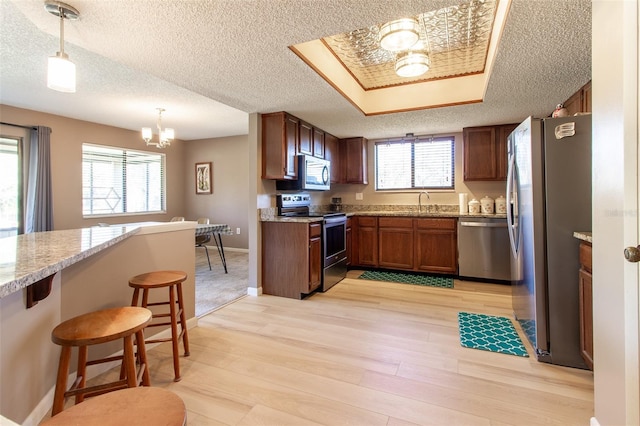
[(94, 328), (138, 406), (172, 280)]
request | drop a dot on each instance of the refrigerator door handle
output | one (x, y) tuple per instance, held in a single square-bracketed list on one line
[(511, 174)]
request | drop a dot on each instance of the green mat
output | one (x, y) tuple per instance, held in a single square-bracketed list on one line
[(489, 333), (416, 279)]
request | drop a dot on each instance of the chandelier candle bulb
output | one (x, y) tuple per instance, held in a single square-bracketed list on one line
[(463, 202)]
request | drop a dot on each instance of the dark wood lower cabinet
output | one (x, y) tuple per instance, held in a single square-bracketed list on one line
[(291, 258), (586, 304), (406, 243), (349, 242)]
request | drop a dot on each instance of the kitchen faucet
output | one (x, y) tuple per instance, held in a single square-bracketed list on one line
[(420, 199)]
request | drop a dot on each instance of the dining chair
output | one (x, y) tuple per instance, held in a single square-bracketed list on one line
[(201, 240)]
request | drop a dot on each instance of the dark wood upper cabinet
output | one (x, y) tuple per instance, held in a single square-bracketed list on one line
[(353, 160), (331, 153), (279, 146), (485, 152), (318, 142), (305, 144)]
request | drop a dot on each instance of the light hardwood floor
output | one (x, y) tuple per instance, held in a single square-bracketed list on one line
[(366, 353)]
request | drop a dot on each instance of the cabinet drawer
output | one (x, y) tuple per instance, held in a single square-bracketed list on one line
[(315, 230), (367, 221), (445, 223), (395, 222), (585, 256), (348, 222)]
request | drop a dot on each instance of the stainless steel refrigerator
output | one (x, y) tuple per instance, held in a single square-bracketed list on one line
[(549, 197)]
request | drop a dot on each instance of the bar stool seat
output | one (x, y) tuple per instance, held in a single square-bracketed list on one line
[(145, 406), (173, 281), (92, 329)]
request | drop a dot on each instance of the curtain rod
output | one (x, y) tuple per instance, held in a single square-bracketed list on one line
[(18, 125)]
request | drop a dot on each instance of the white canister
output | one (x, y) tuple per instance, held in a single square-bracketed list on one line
[(486, 205), (501, 205), (474, 206)]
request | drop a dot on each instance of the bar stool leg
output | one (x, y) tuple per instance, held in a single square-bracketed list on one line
[(183, 321), (81, 374), (61, 380), (130, 363), (174, 334), (142, 358)]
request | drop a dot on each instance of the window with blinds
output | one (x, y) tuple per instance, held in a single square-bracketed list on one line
[(416, 163), (119, 181)]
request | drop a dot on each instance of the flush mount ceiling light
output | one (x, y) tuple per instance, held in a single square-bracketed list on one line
[(412, 64), (164, 136), (61, 72), (399, 35)]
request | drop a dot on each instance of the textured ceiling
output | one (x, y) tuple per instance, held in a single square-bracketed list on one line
[(210, 63)]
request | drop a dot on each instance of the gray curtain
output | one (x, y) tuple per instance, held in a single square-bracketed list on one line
[(39, 205)]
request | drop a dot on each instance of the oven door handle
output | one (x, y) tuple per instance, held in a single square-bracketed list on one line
[(335, 220)]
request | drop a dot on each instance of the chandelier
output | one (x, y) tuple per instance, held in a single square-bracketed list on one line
[(61, 72), (164, 136), (400, 36)]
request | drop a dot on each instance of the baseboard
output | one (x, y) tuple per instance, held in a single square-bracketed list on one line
[(254, 291), (44, 406), (594, 422)]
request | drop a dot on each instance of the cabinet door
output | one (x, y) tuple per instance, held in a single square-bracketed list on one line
[(349, 242), (290, 147), (306, 139), (395, 242), (480, 154), (354, 158), (318, 143), (279, 145), (586, 97), (315, 263), (332, 154), (436, 245), (367, 241), (586, 316)]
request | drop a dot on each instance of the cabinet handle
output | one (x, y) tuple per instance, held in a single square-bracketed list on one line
[(632, 254)]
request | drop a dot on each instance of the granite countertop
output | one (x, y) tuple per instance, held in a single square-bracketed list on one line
[(26, 259), (583, 236), (390, 213)]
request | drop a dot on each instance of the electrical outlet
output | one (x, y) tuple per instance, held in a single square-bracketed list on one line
[(358, 195), (238, 231)]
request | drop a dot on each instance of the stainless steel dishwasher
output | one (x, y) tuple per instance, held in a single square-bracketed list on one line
[(483, 248)]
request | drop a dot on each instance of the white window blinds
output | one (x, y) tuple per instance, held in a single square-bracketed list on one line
[(415, 163), (119, 181)]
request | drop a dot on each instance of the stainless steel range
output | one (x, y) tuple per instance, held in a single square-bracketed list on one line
[(334, 234)]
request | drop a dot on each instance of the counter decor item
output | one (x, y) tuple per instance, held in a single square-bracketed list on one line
[(474, 206), (336, 204), (486, 205), (501, 205), (463, 202), (560, 111)]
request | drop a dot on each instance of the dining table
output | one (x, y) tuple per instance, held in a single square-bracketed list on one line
[(216, 230)]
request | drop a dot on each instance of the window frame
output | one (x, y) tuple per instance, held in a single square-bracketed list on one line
[(124, 151), (413, 140)]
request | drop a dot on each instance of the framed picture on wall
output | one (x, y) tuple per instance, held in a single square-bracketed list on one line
[(204, 181)]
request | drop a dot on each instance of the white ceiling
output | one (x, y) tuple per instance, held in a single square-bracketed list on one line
[(211, 62)]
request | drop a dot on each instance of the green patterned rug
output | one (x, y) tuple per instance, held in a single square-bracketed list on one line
[(490, 333), (416, 279)]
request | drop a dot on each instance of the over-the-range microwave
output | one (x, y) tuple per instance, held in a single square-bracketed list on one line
[(313, 174)]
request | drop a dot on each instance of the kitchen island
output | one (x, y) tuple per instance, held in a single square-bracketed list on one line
[(90, 269)]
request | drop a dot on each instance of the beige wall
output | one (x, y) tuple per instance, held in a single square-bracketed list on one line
[(67, 138), (229, 202)]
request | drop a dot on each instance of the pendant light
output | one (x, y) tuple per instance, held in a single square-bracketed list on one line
[(165, 136), (61, 72), (399, 35)]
